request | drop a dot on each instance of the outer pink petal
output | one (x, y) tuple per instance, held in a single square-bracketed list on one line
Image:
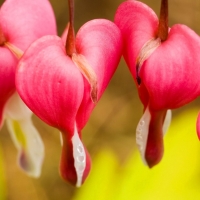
[(101, 43), (49, 83), (23, 21), (171, 74), (7, 77), (138, 24), (52, 87)]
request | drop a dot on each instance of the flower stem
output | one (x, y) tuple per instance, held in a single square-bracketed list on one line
[(70, 42), (2, 38), (163, 21)]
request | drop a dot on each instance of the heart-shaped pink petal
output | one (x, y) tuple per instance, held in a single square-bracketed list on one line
[(100, 42), (7, 80), (166, 72), (174, 79), (170, 75), (22, 22), (51, 85), (138, 24)]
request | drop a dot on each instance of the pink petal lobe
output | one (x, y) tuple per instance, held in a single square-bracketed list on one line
[(138, 24), (99, 48), (49, 83), (7, 80), (52, 86), (100, 42), (169, 76), (171, 73), (23, 21)]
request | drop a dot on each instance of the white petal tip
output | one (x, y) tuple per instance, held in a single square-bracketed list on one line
[(167, 121), (79, 157), (142, 132), (29, 166)]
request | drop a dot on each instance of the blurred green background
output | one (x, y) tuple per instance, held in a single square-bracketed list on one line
[(118, 172)]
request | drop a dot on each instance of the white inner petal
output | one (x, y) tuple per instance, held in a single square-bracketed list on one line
[(25, 136), (79, 157), (16, 109), (167, 121), (142, 132)]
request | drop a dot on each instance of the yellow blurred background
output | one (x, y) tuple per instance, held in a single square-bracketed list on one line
[(117, 172)]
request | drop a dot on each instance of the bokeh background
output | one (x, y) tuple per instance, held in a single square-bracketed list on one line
[(118, 172)]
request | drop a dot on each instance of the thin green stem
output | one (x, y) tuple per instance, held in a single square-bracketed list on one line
[(163, 21)]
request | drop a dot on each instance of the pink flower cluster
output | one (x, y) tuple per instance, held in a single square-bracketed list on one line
[(61, 79)]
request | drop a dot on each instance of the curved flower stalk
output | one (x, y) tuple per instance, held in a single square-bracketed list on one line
[(21, 23), (164, 63), (61, 83)]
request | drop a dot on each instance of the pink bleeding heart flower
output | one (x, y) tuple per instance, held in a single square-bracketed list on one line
[(61, 84), (165, 66), (21, 23)]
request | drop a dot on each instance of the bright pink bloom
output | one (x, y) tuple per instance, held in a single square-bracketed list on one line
[(21, 23), (166, 72), (53, 87)]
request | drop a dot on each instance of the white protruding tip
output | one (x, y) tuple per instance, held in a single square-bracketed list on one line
[(79, 157), (167, 121), (142, 132)]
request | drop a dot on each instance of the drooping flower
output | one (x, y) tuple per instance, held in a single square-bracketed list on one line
[(21, 23), (61, 83), (164, 63)]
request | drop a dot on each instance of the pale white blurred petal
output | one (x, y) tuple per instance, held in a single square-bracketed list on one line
[(142, 132), (16, 109), (25, 136), (167, 121)]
